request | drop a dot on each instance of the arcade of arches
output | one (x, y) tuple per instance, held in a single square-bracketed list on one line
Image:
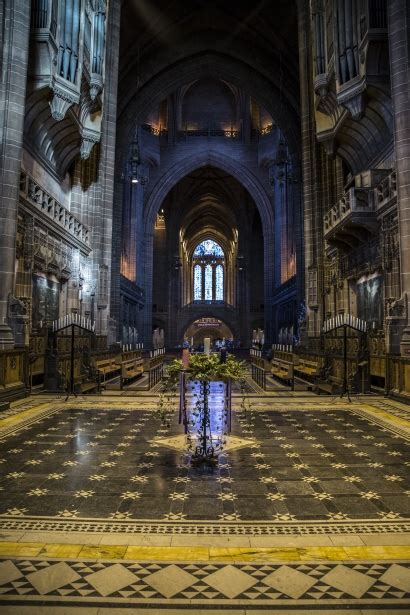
[(178, 172)]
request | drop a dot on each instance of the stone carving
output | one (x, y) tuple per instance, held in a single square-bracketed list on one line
[(61, 102), (16, 307), (18, 320), (396, 308), (43, 202), (88, 141)]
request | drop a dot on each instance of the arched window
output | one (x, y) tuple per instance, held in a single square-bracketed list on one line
[(219, 283), (197, 283), (208, 248), (208, 260), (208, 283)]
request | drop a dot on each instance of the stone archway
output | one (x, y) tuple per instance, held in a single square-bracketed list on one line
[(170, 178), (210, 157), (215, 329), (206, 63), (189, 315)]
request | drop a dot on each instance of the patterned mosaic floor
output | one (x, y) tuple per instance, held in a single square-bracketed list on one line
[(262, 584), (322, 481), (114, 465)]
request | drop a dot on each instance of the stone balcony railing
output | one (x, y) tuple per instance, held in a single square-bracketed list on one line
[(49, 207), (208, 305), (210, 132), (354, 213), (386, 191)]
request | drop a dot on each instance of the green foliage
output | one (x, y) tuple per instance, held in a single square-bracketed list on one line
[(232, 369), (173, 370), (165, 407), (206, 367), (209, 367), (246, 403), (166, 404)]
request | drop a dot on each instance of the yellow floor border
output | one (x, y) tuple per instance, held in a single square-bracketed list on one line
[(203, 554), (17, 418)]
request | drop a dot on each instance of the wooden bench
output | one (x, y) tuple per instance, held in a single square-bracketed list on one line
[(281, 369), (132, 368), (332, 385), (109, 368), (87, 380), (306, 372), (307, 368), (82, 385)]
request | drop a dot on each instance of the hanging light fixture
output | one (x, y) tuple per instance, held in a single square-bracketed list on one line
[(138, 172), (240, 262), (282, 154)]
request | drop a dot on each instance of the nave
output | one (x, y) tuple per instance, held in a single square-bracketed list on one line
[(307, 508)]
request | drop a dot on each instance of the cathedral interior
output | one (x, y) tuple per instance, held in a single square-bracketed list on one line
[(227, 182)]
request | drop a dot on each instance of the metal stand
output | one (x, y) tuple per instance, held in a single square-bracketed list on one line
[(71, 389), (228, 404), (183, 418), (345, 386), (204, 451)]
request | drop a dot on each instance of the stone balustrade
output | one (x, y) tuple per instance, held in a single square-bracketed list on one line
[(386, 191), (44, 203), (354, 201)]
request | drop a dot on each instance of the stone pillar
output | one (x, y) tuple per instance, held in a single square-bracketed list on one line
[(146, 315), (398, 13), (312, 210), (296, 204), (15, 28), (269, 283), (103, 207), (277, 209), (137, 230)]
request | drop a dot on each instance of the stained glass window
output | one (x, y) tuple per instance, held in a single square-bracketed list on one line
[(208, 283), (209, 248), (219, 283), (197, 283)]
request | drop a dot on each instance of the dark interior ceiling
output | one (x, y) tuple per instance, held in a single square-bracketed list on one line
[(147, 24), (156, 35)]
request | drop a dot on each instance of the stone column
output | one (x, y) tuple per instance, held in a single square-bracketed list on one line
[(296, 203), (398, 13), (103, 206), (15, 28), (146, 314), (137, 231), (312, 211)]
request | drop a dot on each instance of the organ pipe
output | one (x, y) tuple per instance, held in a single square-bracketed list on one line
[(99, 39), (346, 26)]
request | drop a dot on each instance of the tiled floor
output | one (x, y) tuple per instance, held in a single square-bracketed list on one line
[(308, 506)]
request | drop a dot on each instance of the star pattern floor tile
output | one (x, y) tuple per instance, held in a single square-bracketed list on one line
[(115, 464)]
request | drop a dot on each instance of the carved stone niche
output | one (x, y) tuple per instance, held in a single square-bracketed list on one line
[(397, 331), (18, 319)]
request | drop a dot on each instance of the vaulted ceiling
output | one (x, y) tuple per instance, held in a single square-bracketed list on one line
[(167, 44)]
